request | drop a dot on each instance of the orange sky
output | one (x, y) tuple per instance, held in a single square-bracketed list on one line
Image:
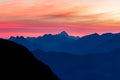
[(77, 17)]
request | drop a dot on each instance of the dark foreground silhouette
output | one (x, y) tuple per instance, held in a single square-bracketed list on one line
[(18, 63)]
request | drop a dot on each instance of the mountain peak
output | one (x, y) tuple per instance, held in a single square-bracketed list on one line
[(95, 34), (63, 33)]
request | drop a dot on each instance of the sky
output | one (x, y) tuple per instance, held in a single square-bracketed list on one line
[(77, 17)]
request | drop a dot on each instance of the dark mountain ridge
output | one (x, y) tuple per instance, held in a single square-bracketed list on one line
[(19, 63)]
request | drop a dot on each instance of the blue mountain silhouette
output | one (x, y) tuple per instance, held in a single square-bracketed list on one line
[(47, 42), (23, 41), (62, 42), (99, 66)]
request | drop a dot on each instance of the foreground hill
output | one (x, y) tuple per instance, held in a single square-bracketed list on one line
[(18, 63)]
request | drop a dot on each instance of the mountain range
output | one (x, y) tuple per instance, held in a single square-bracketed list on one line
[(62, 42)]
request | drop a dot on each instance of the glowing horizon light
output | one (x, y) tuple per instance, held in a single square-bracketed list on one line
[(47, 16)]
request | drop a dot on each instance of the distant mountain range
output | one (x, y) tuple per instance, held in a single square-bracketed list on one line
[(62, 42)]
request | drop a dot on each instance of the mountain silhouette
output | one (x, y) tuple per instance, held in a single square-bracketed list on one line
[(95, 66), (47, 42), (63, 33), (23, 41), (93, 43), (17, 62), (62, 42)]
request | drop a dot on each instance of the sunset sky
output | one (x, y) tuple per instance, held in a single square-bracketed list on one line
[(77, 17)]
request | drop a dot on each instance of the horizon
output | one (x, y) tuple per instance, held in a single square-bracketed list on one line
[(57, 34), (39, 17)]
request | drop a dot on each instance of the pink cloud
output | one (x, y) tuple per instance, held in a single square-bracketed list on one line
[(34, 17)]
